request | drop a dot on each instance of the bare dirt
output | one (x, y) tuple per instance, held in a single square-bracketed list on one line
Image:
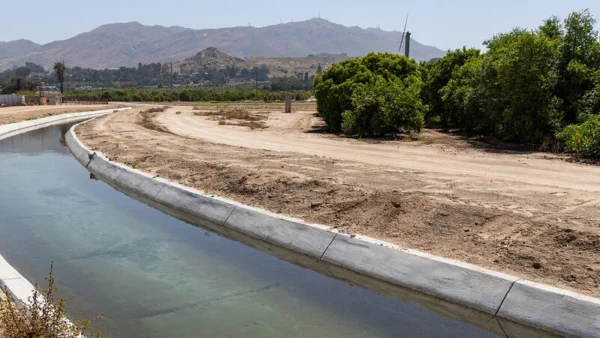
[(519, 213), (23, 113)]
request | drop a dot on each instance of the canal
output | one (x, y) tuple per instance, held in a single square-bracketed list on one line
[(152, 275)]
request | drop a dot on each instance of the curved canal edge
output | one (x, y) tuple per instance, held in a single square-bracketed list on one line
[(494, 301), (20, 288), (491, 300)]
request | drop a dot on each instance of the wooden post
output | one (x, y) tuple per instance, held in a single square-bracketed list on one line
[(288, 104)]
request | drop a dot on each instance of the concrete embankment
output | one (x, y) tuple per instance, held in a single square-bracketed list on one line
[(497, 302)]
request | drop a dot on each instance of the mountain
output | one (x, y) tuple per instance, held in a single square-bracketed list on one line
[(16, 48), (127, 44), (210, 58), (283, 66), (214, 59)]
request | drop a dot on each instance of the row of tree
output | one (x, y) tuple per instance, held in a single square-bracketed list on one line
[(529, 87), (186, 94), (145, 75)]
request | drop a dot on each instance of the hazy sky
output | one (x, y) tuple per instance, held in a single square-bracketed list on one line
[(441, 23)]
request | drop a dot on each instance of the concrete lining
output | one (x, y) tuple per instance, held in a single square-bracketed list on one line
[(494, 301), (455, 282), (13, 129), (551, 309)]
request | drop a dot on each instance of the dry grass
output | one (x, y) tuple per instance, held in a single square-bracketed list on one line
[(148, 122), (237, 117)]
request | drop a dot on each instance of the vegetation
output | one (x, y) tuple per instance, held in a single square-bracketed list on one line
[(583, 139), (185, 94), (41, 316), (374, 95), (526, 88), (153, 75), (59, 70)]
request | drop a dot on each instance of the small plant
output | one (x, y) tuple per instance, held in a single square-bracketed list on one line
[(41, 316), (583, 139)]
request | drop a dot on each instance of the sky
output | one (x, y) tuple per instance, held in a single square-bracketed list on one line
[(440, 23)]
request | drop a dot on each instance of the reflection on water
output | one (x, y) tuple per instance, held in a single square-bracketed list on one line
[(155, 276), (51, 139)]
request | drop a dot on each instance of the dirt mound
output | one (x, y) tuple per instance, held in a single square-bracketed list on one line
[(236, 117)]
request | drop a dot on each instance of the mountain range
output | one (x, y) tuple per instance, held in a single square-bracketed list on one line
[(127, 44)]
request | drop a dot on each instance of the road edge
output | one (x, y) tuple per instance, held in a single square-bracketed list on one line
[(521, 308)]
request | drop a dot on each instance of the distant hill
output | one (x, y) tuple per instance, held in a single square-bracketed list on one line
[(16, 48), (127, 44), (210, 58), (213, 59)]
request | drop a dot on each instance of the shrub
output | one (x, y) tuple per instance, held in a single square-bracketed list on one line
[(383, 108), (41, 316), (376, 94), (583, 139)]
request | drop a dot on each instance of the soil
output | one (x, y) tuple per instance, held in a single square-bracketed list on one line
[(23, 113), (526, 214)]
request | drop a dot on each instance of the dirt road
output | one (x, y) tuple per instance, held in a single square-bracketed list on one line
[(23, 113), (516, 213), (289, 134)]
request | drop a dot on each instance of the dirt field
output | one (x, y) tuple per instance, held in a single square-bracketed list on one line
[(522, 214), (22, 113)]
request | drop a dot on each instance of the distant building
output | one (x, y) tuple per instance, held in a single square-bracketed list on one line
[(12, 100), (52, 98)]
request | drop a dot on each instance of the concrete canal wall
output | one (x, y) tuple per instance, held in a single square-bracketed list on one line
[(494, 301)]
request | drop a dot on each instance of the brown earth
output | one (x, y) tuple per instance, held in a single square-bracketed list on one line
[(519, 213), (23, 113)]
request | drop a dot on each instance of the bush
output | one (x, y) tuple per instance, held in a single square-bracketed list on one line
[(373, 95), (583, 139), (384, 108), (41, 316)]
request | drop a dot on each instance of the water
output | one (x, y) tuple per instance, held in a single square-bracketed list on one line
[(155, 276)]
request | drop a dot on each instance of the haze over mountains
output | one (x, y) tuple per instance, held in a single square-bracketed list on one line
[(127, 44)]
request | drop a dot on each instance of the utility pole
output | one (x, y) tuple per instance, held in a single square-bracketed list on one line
[(407, 46), (172, 76), (256, 86)]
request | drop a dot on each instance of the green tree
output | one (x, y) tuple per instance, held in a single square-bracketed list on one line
[(344, 90), (60, 69), (579, 60), (436, 76), (518, 78)]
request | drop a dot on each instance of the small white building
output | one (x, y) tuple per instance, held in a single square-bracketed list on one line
[(12, 100)]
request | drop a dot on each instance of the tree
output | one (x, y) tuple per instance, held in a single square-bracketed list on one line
[(352, 95), (579, 59), (319, 69), (59, 69), (518, 80), (385, 107), (436, 76)]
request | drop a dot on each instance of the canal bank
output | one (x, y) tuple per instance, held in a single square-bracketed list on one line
[(154, 275), (511, 305)]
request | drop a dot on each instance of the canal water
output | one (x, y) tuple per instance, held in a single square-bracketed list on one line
[(152, 275)]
